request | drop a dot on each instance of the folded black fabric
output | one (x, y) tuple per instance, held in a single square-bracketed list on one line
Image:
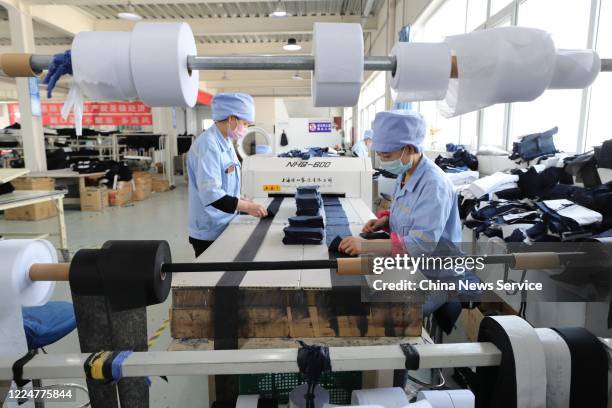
[(334, 244), (308, 190), (603, 155), (306, 221), (291, 240), (534, 184), (307, 211), (375, 235), (308, 201), (303, 232), (6, 188)]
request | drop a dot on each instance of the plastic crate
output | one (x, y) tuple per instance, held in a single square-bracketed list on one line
[(340, 385)]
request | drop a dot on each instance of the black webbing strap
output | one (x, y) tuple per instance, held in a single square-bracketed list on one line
[(18, 368), (227, 299), (413, 359)]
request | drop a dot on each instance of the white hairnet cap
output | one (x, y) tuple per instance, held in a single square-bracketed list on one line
[(398, 128), (240, 105)]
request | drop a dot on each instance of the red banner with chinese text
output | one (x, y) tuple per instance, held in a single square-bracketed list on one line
[(94, 114)]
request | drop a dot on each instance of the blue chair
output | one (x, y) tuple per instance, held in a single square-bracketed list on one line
[(44, 325)]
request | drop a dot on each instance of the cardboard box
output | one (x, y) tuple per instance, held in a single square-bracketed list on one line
[(160, 185), (143, 185), (94, 199), (122, 195), (33, 212), (34, 183), (142, 192)]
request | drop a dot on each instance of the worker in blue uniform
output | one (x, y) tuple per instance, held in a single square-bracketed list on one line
[(424, 209), (362, 147), (214, 171), (424, 216)]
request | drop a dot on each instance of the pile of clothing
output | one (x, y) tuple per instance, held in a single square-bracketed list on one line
[(533, 146), (114, 171), (460, 161), (308, 153), (560, 214), (306, 228)]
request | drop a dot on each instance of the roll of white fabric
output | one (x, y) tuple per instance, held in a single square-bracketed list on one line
[(448, 398), (558, 368), (338, 74), (247, 401), (500, 65), (17, 290), (101, 65), (575, 69), (158, 59), (422, 72), (394, 397), (520, 380)]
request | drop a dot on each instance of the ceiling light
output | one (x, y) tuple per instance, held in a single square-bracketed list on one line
[(130, 14), (279, 11), (297, 76), (292, 45)]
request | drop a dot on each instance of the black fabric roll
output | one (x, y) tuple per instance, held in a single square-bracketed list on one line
[(589, 384)]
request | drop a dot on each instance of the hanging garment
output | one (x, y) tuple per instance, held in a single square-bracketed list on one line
[(283, 139)]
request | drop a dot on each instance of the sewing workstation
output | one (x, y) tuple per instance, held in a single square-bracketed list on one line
[(378, 220)]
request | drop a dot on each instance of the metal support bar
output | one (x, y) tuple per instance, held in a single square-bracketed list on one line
[(257, 361), (267, 63)]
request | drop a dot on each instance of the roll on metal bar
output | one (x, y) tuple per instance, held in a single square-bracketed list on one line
[(267, 63)]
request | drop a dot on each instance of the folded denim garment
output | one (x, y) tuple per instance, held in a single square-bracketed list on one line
[(306, 221), (307, 211), (308, 201), (291, 240), (316, 233), (308, 190)]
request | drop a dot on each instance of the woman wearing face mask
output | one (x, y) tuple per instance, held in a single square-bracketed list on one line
[(214, 171), (424, 210)]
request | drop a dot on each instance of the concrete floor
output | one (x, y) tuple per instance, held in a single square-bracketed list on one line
[(163, 216)]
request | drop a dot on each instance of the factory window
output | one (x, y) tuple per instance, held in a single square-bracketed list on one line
[(498, 5), (598, 126), (560, 108), (476, 14), (448, 19), (371, 101)]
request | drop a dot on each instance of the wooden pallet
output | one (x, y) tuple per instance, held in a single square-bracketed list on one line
[(295, 314)]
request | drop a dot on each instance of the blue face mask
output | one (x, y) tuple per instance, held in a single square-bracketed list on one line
[(396, 166)]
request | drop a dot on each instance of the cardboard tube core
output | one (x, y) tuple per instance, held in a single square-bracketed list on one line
[(58, 272), (454, 70), (536, 260), (17, 65)]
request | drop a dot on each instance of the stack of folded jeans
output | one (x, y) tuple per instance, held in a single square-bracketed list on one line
[(308, 200), (336, 222), (306, 228)]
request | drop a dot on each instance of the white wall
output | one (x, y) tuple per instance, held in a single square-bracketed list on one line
[(299, 137)]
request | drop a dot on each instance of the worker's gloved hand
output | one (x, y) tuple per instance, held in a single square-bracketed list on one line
[(351, 246), (376, 224), (256, 210)]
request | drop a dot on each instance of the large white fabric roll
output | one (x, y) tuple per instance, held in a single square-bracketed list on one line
[(558, 368), (575, 69), (158, 58), (422, 72), (338, 52), (17, 290), (101, 65), (500, 65), (448, 398), (386, 397)]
